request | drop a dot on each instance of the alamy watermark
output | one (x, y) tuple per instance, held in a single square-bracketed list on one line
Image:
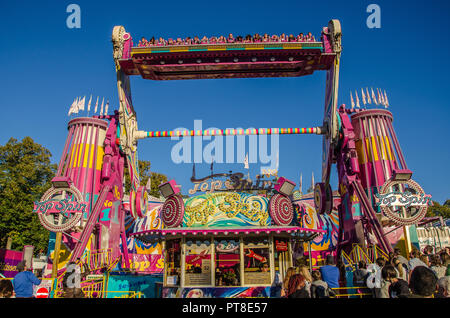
[(226, 149), (73, 20), (374, 19)]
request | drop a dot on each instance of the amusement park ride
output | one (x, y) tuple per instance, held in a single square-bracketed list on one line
[(85, 206)]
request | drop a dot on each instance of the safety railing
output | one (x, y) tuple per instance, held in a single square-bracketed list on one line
[(358, 253), (113, 294), (352, 292), (98, 259)]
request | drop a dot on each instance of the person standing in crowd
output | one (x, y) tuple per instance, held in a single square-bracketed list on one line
[(296, 287), (437, 267), (397, 286), (445, 259), (400, 257), (330, 273), (342, 273), (374, 279), (24, 281), (319, 288), (289, 273), (425, 259), (360, 274), (384, 287), (428, 252), (443, 287), (414, 260), (276, 287), (304, 271), (400, 268), (422, 282), (6, 288)]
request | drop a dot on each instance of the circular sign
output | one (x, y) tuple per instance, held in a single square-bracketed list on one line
[(403, 202), (42, 293), (172, 211), (61, 209), (281, 209)]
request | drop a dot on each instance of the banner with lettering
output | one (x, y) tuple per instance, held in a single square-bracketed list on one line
[(8, 262)]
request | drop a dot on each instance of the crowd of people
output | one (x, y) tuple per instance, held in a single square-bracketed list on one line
[(256, 38), (22, 286), (423, 275)]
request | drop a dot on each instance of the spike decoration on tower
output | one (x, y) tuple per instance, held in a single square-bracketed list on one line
[(79, 103), (380, 98)]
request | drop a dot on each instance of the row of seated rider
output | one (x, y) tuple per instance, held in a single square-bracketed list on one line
[(230, 39)]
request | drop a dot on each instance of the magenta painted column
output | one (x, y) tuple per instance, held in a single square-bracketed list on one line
[(379, 152)]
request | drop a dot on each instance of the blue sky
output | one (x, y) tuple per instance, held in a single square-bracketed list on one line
[(45, 65)]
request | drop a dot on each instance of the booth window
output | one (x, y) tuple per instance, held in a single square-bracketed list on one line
[(256, 262), (198, 263), (173, 262), (227, 262)]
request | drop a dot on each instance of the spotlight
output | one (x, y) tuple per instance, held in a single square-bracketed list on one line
[(284, 186), (61, 182), (401, 174), (169, 189)]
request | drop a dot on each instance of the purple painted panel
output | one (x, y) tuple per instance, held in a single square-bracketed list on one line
[(8, 262)]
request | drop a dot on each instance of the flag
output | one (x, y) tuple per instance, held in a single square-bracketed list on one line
[(357, 99), (351, 98), (369, 101), (363, 97), (101, 107), (386, 99), (96, 105), (374, 97), (72, 107), (89, 104), (148, 186), (75, 107), (246, 162), (106, 108), (300, 184), (383, 99), (379, 97), (81, 103)]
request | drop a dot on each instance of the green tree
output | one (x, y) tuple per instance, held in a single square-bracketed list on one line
[(144, 171), (25, 174), (439, 210)]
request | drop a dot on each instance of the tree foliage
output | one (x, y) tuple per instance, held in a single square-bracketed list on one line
[(25, 174), (439, 210), (145, 174)]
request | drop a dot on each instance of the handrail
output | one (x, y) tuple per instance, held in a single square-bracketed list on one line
[(225, 43), (348, 295)]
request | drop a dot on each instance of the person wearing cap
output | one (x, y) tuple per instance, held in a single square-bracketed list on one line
[(24, 281)]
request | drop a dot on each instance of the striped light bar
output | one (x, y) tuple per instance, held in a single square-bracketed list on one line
[(234, 132)]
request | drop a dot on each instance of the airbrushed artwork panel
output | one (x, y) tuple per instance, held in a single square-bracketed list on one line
[(226, 209)]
